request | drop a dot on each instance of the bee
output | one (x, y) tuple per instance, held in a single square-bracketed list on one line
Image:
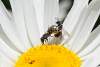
[(56, 30)]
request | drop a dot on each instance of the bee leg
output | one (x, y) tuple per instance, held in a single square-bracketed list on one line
[(42, 40)]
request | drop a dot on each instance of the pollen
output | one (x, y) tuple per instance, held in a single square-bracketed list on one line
[(48, 56)]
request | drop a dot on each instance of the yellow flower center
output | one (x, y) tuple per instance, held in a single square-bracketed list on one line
[(48, 56)]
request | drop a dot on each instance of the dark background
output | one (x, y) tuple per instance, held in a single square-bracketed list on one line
[(7, 4)]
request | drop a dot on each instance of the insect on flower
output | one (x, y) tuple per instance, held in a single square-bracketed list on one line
[(20, 32), (55, 30)]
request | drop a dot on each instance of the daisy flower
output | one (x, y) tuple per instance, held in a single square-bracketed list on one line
[(21, 30)]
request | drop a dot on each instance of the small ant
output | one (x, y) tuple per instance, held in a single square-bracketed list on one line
[(54, 29)]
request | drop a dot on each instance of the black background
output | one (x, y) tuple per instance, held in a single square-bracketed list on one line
[(7, 4)]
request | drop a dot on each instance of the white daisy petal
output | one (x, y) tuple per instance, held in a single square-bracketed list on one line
[(8, 52), (9, 29), (74, 14), (93, 59), (51, 9), (31, 21), (4, 37), (64, 8), (87, 21), (94, 34), (19, 22), (8, 13), (5, 62), (93, 45), (39, 8)]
